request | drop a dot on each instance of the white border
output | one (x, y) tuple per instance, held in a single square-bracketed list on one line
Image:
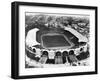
[(39, 71)]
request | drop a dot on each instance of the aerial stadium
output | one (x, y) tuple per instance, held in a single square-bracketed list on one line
[(55, 45)]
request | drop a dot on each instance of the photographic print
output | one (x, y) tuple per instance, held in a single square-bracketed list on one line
[(51, 40), (55, 40)]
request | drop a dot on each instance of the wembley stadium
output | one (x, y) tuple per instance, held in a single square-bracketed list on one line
[(56, 47)]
